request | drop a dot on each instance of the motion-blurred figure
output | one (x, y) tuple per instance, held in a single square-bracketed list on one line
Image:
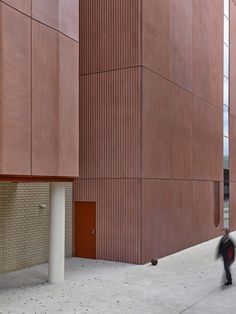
[(226, 249)]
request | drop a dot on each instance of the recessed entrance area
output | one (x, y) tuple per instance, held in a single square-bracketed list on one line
[(85, 229)]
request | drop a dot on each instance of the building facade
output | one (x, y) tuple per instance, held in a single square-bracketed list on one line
[(133, 102), (151, 124), (39, 131)]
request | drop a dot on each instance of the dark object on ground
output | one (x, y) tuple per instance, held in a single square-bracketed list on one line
[(228, 283), (154, 262)]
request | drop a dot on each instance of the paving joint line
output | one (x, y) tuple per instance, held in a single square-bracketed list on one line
[(190, 306)]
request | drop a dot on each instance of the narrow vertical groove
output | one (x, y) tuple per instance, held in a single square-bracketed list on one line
[(58, 105), (141, 134)]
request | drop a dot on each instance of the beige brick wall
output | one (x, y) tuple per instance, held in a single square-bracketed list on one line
[(24, 226), (68, 226)]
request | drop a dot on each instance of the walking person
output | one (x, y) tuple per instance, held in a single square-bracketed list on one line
[(226, 249)]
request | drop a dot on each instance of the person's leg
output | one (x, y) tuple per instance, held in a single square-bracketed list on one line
[(227, 272)]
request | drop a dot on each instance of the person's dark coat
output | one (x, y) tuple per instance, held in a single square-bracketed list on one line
[(226, 249)]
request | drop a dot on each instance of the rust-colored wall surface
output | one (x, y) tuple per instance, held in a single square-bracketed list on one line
[(166, 129), (109, 35), (110, 89), (207, 58), (22, 5), (110, 160), (39, 120), (232, 129), (61, 15), (182, 124), (118, 216), (207, 141), (176, 214), (151, 123), (182, 41), (232, 58), (15, 96), (110, 120)]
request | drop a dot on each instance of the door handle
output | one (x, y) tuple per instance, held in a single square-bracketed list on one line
[(93, 232)]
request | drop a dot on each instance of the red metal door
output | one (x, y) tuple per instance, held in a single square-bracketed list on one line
[(85, 229)]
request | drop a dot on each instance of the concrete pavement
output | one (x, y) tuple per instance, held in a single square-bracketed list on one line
[(186, 282)]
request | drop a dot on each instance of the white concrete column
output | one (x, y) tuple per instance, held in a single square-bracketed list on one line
[(57, 233)]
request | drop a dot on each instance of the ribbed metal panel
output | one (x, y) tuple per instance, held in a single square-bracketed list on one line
[(118, 217), (110, 124), (109, 34), (110, 160)]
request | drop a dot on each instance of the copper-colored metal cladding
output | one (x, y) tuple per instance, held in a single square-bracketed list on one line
[(232, 123), (61, 15), (46, 12), (207, 39), (110, 160), (156, 36), (166, 129), (69, 18), (151, 113), (207, 141), (22, 5), (39, 129), (181, 124), (68, 98), (110, 119), (118, 216), (232, 73), (232, 206), (232, 139), (15, 96), (188, 132), (44, 100), (54, 102), (179, 52), (181, 43), (109, 35)]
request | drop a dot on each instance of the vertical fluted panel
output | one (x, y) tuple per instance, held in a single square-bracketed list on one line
[(118, 217), (110, 125), (110, 34), (110, 160), (110, 118)]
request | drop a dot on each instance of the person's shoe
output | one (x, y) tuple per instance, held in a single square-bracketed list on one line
[(228, 283)]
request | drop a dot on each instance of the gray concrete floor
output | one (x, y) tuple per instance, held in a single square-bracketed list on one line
[(186, 282)]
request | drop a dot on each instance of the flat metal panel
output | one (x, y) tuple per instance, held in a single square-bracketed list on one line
[(15, 95), (22, 5)]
